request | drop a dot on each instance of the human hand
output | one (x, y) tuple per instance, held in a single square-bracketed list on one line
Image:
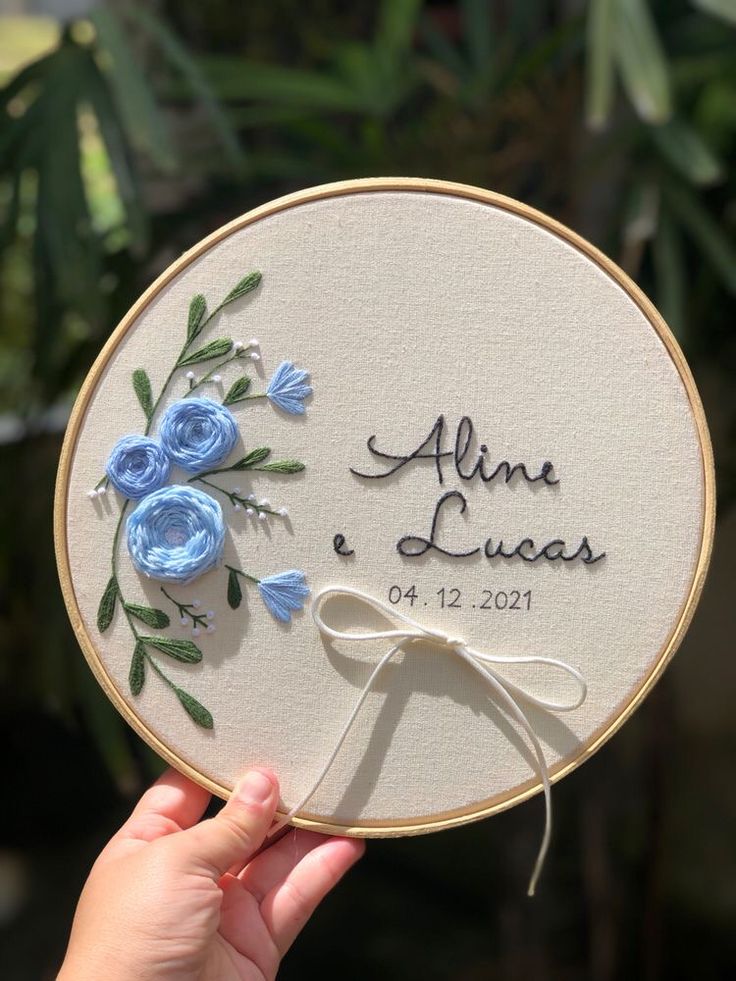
[(170, 898)]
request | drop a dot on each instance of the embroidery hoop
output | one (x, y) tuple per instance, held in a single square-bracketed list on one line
[(599, 737)]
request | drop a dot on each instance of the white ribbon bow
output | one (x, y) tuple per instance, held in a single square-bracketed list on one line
[(506, 692)]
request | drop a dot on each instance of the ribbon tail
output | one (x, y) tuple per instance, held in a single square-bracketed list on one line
[(499, 687), (286, 818)]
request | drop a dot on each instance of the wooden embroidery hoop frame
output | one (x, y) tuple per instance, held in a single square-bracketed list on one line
[(518, 795)]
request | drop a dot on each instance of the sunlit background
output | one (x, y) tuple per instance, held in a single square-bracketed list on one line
[(130, 130)]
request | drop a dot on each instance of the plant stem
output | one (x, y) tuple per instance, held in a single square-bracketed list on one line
[(116, 537), (233, 497), (233, 469), (145, 650), (129, 618), (166, 384), (201, 621), (185, 610), (187, 345), (158, 670), (176, 603), (193, 386), (210, 473), (240, 572)]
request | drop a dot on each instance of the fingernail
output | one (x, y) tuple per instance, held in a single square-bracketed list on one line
[(255, 788)]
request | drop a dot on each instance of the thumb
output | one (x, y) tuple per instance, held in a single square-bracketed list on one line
[(237, 831)]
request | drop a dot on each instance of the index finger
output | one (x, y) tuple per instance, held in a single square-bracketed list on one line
[(173, 803)]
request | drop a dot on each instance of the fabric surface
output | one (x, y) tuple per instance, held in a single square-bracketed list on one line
[(404, 306)]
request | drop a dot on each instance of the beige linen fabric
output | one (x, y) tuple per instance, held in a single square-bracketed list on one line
[(404, 305)]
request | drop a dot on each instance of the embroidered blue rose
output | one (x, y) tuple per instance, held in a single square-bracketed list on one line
[(284, 593), (176, 534), (137, 466), (287, 389), (198, 433)]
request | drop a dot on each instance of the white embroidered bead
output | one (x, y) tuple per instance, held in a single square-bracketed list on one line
[(184, 621), (190, 375), (254, 342), (238, 346), (92, 494), (262, 516), (236, 506), (284, 512), (196, 604), (210, 614), (236, 490), (217, 379), (210, 628), (254, 356), (101, 491), (250, 512), (196, 631)]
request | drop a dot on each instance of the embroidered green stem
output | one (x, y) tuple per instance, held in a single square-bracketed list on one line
[(186, 611), (158, 670), (258, 395), (194, 709), (234, 591), (197, 323), (140, 648), (237, 500), (181, 650), (257, 455), (210, 473), (238, 356), (157, 403), (116, 538), (245, 575), (251, 461)]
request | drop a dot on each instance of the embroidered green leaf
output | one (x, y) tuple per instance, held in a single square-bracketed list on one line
[(245, 285), (283, 466), (250, 459), (195, 710), (106, 609), (181, 650), (148, 615), (234, 592), (214, 349), (197, 310), (137, 673), (237, 390), (142, 388)]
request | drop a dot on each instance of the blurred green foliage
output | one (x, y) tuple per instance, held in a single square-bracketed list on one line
[(132, 101), (128, 134)]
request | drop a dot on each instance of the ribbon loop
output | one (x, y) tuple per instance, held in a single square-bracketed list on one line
[(508, 694)]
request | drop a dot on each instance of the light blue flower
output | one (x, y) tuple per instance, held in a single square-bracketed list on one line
[(176, 534), (287, 389), (284, 593), (198, 433), (137, 466)]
